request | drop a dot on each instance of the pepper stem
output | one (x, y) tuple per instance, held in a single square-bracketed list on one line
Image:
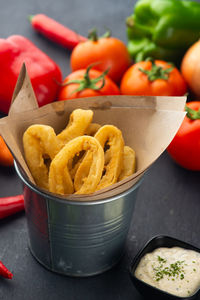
[(30, 17), (87, 82), (156, 72), (192, 114)]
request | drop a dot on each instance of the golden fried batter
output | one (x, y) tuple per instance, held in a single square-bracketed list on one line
[(113, 137), (128, 163), (92, 129), (83, 158), (60, 181), (78, 123), (40, 143)]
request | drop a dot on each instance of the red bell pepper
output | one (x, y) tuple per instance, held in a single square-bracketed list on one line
[(43, 71), (11, 205), (55, 31), (4, 272)]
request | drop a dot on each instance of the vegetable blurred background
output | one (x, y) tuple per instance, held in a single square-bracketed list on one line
[(101, 15), (156, 34), (163, 29)]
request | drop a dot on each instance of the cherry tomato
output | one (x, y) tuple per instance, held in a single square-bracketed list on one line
[(153, 78), (109, 52), (87, 83), (185, 147)]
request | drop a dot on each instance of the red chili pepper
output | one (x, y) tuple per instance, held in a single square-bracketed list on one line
[(43, 71), (4, 272), (11, 205), (55, 31)]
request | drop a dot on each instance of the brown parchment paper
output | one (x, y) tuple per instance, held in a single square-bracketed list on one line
[(148, 125)]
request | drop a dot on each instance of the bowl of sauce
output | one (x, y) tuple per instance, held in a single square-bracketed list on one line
[(167, 268)]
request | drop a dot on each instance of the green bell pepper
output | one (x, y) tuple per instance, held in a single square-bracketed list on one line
[(163, 29)]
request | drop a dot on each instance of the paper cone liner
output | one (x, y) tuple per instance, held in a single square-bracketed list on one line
[(148, 125)]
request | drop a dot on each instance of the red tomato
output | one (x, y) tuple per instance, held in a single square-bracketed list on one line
[(6, 158), (153, 79), (108, 52), (190, 68), (185, 147), (68, 91)]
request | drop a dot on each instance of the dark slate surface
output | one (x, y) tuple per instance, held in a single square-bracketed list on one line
[(168, 201)]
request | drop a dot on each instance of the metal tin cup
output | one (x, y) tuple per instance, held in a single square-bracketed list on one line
[(77, 238)]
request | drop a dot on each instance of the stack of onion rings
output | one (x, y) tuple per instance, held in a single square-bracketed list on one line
[(60, 181), (85, 157)]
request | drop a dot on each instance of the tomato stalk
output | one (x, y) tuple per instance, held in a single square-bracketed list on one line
[(192, 114), (87, 82), (156, 72), (93, 36)]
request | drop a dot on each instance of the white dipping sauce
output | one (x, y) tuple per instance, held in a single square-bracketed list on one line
[(174, 270)]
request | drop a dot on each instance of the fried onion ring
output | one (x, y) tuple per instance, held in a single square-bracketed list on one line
[(60, 181), (113, 137), (128, 163), (40, 143), (92, 129), (73, 166), (79, 121)]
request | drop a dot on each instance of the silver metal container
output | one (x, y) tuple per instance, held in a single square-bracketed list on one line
[(77, 238)]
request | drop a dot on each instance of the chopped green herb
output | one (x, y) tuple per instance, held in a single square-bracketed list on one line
[(193, 261), (175, 270), (161, 259), (194, 270)]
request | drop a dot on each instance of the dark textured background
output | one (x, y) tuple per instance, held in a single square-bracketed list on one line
[(168, 201)]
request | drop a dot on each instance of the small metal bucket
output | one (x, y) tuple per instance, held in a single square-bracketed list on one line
[(77, 238)]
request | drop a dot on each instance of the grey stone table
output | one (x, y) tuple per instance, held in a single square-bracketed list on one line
[(168, 201)]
